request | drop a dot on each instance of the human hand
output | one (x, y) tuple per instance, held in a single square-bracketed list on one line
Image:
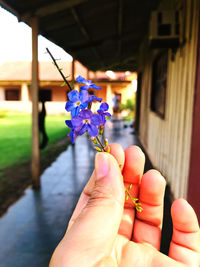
[(105, 231)]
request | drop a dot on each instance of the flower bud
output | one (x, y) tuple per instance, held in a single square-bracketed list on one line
[(130, 186), (106, 142), (101, 130), (97, 149), (93, 139)]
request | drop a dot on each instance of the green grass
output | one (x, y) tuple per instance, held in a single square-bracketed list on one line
[(15, 136)]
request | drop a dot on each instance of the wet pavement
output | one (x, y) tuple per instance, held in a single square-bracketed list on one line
[(33, 226)]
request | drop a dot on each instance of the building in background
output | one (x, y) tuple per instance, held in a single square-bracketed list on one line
[(15, 80)]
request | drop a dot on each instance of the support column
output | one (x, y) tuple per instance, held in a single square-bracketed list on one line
[(88, 74), (35, 164), (2, 94), (73, 71), (24, 92), (109, 97)]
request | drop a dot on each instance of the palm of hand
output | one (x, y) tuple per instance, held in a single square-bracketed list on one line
[(103, 231)]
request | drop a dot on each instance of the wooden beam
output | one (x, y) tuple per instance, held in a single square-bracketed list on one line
[(85, 33), (9, 8), (73, 71), (35, 164), (57, 6)]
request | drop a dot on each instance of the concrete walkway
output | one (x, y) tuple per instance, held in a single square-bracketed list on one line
[(33, 226)]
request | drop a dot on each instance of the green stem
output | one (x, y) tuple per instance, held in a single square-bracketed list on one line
[(137, 205), (100, 143), (128, 193)]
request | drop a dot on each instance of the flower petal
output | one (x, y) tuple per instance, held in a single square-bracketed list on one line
[(72, 134), (69, 123), (80, 79), (104, 106), (94, 97), (77, 122), (83, 129), (73, 96), (85, 87), (85, 114), (107, 114), (100, 111), (75, 111), (84, 105), (96, 120), (84, 96), (69, 106), (92, 130), (94, 86)]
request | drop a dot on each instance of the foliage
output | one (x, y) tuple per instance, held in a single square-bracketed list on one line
[(130, 105)]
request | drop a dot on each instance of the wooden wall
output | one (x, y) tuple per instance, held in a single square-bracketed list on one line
[(168, 141)]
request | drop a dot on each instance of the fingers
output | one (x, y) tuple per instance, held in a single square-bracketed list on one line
[(98, 223), (148, 223), (134, 165), (185, 244), (117, 151), (132, 173)]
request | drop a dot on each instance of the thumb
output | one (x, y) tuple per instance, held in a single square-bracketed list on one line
[(97, 225)]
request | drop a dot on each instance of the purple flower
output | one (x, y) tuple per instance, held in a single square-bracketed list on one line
[(94, 97), (102, 112), (73, 134), (86, 121), (88, 84), (77, 102)]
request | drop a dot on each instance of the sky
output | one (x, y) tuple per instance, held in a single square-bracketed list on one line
[(15, 42)]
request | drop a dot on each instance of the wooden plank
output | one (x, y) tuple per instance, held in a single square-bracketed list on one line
[(168, 141), (35, 164), (73, 71), (193, 192)]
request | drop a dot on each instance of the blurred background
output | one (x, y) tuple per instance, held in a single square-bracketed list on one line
[(144, 56)]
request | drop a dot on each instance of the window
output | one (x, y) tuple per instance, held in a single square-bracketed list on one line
[(159, 84), (12, 94)]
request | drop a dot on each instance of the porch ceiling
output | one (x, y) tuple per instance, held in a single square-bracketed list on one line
[(101, 34)]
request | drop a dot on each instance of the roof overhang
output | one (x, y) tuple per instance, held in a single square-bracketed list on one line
[(101, 34)]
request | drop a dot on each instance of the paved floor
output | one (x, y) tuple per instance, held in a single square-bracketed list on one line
[(33, 226)]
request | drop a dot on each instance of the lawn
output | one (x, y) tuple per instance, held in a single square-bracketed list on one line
[(15, 136)]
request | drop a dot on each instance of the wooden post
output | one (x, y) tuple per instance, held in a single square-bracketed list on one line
[(88, 74), (73, 71), (35, 164)]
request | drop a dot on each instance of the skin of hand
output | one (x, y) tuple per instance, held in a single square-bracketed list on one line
[(105, 230)]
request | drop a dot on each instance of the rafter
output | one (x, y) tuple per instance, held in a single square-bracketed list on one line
[(57, 6), (8, 7), (129, 63), (85, 33), (109, 39)]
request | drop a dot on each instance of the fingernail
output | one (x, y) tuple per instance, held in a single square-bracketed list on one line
[(102, 165)]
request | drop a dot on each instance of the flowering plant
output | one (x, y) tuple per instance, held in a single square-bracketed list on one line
[(84, 121)]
